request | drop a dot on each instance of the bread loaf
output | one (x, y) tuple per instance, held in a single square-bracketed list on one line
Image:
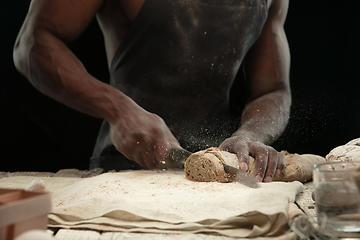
[(207, 166), (348, 152), (298, 167)]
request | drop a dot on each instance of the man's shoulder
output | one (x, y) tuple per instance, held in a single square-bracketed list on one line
[(278, 4), (278, 9)]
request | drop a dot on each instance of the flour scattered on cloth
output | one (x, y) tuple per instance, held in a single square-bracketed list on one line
[(166, 202)]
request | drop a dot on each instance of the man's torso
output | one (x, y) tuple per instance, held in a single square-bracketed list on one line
[(179, 58)]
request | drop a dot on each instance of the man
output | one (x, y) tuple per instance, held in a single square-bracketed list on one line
[(172, 65)]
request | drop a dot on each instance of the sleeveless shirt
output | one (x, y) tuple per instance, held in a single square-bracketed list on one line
[(179, 60)]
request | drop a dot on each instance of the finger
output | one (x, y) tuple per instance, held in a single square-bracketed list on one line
[(148, 157), (137, 152), (243, 156), (126, 154), (272, 164), (136, 158), (242, 152), (172, 140), (123, 148), (162, 155), (162, 148), (281, 164), (260, 154)]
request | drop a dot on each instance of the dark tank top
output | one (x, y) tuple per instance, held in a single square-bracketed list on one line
[(179, 60)]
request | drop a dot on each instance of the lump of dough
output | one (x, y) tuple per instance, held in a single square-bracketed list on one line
[(38, 185)]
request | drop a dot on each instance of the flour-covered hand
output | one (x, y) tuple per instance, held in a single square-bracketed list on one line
[(268, 162)]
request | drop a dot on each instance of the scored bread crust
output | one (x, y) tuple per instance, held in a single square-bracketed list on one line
[(299, 167), (345, 153), (225, 157)]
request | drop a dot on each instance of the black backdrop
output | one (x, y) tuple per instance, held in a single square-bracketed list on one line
[(39, 134)]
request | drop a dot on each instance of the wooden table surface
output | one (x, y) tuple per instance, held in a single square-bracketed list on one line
[(303, 200)]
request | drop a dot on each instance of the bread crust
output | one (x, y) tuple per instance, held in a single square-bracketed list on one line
[(297, 167), (345, 153)]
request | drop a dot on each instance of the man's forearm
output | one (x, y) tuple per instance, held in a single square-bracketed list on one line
[(55, 71), (265, 118)]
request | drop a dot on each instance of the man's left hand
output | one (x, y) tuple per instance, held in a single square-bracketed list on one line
[(268, 162)]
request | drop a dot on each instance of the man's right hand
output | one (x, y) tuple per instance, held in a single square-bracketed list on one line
[(42, 55), (142, 136)]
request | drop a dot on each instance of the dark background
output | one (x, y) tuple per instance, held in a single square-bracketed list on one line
[(39, 134)]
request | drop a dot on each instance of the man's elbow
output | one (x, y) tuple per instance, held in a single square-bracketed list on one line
[(21, 54)]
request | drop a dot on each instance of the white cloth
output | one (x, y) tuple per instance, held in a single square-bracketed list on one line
[(165, 202)]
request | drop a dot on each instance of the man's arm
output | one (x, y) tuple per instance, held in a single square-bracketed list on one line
[(267, 111), (41, 54)]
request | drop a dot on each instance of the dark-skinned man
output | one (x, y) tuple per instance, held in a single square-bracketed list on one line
[(172, 65)]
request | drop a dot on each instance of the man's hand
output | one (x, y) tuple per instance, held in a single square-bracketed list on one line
[(267, 68), (142, 137), (268, 162)]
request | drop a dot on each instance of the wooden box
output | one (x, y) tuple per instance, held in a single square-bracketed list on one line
[(21, 211)]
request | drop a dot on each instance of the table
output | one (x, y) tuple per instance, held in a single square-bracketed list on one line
[(303, 200)]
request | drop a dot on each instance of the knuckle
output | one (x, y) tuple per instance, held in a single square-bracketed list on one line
[(263, 153), (272, 151), (135, 139), (281, 162), (157, 132), (242, 156), (157, 118)]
